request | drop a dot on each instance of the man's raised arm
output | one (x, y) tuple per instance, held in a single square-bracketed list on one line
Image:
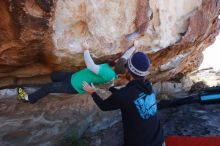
[(90, 63)]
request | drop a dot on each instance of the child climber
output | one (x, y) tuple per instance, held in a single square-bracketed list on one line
[(69, 82)]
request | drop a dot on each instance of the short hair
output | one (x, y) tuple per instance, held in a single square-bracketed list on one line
[(111, 63), (120, 66)]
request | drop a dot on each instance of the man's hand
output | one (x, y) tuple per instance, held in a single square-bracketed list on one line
[(136, 43), (89, 89)]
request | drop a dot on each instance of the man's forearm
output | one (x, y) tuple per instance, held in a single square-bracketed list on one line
[(113, 89), (97, 100), (107, 104)]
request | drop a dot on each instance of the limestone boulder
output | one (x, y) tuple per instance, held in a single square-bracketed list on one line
[(38, 37), (41, 36), (51, 120)]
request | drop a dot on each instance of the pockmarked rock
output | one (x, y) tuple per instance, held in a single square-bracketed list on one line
[(38, 37)]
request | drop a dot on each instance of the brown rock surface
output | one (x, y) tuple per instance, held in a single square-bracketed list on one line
[(50, 120), (49, 34), (41, 36)]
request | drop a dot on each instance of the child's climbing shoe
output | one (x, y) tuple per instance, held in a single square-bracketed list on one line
[(22, 95)]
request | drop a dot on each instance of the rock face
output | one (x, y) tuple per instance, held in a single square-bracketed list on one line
[(41, 36), (50, 120)]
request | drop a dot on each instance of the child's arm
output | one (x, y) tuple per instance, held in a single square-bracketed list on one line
[(90, 63)]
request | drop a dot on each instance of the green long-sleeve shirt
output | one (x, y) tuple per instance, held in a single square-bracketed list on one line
[(105, 74)]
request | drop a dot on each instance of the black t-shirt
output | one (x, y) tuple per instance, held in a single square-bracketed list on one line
[(138, 106)]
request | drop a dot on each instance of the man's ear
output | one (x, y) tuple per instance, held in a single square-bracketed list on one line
[(121, 75), (129, 76)]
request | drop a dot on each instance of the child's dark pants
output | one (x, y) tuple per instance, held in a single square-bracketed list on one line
[(61, 84)]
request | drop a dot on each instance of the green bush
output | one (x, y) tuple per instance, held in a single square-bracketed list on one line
[(73, 140)]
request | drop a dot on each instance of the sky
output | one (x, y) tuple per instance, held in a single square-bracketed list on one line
[(212, 56)]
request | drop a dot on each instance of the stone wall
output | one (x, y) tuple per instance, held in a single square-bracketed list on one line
[(41, 36)]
